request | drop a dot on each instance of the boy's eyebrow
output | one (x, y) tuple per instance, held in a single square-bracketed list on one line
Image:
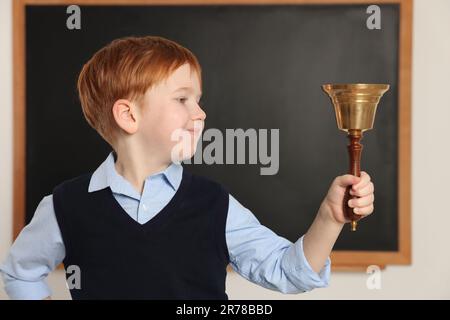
[(187, 88)]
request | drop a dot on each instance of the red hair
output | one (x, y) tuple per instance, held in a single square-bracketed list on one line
[(125, 69)]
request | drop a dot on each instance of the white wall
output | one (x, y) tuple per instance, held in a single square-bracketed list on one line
[(428, 277), (5, 129)]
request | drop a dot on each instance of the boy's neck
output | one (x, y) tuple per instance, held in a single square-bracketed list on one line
[(135, 169)]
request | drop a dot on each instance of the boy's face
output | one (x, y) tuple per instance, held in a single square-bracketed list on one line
[(171, 119)]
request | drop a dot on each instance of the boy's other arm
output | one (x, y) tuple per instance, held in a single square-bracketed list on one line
[(34, 254), (267, 259)]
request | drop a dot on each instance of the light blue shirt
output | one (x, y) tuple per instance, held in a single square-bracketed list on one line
[(256, 252)]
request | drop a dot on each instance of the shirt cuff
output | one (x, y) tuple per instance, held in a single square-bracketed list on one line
[(25, 290), (302, 273)]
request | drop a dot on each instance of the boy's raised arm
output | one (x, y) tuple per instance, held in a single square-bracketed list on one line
[(324, 231), (263, 257)]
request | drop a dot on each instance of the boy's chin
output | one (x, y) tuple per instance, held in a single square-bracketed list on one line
[(183, 155)]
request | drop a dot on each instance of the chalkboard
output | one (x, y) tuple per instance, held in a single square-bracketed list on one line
[(263, 67)]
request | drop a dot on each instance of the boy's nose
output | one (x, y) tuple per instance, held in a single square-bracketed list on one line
[(199, 114)]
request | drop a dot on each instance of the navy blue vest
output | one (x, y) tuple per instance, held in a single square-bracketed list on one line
[(180, 253)]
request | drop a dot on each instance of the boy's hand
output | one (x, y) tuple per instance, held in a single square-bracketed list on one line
[(363, 188)]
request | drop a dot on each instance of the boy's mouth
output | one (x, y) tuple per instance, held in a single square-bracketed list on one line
[(195, 130)]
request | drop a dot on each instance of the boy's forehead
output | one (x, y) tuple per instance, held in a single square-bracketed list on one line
[(183, 79)]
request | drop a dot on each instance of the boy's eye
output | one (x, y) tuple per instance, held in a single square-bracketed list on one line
[(182, 100)]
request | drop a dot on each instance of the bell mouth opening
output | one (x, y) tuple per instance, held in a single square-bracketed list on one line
[(360, 86)]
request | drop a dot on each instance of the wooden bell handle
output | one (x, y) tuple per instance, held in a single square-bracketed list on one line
[(354, 152)]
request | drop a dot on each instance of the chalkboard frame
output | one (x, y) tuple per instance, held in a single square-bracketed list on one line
[(342, 260)]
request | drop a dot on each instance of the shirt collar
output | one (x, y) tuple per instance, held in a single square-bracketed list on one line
[(106, 175)]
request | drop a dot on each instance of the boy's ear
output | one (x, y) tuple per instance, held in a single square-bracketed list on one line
[(126, 115)]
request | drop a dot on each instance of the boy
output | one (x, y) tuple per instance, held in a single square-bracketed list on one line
[(142, 227)]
